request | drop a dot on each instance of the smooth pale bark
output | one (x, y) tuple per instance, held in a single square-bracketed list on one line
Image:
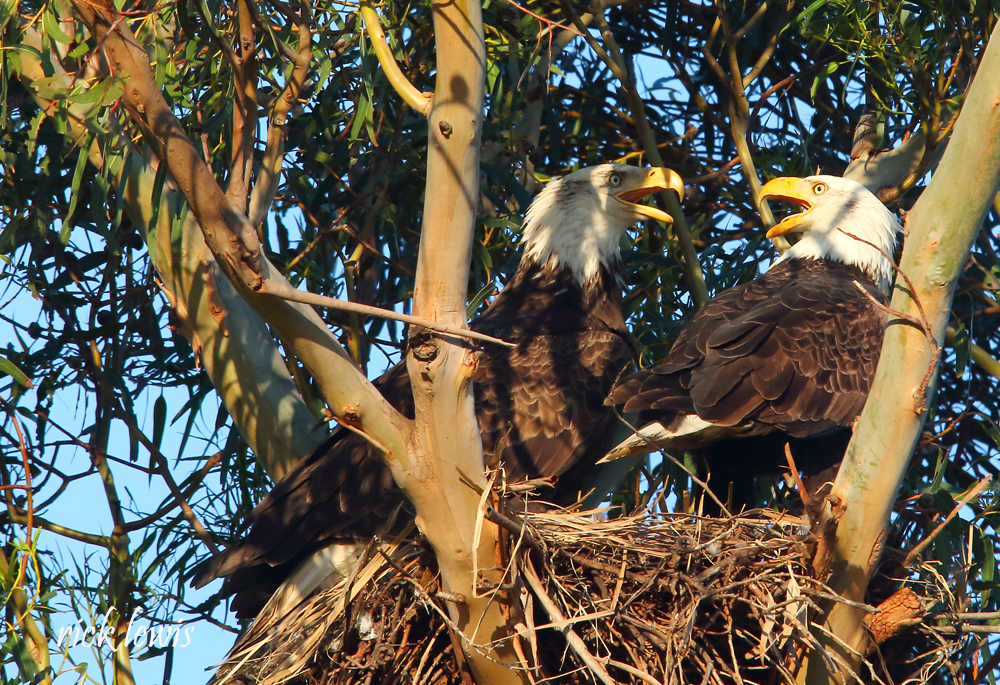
[(890, 168), (233, 344), (941, 229), (446, 443)]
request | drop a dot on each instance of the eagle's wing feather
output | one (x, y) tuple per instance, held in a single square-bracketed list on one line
[(795, 350), (539, 406)]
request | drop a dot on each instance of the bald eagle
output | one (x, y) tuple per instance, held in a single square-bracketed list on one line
[(540, 405), (785, 359)]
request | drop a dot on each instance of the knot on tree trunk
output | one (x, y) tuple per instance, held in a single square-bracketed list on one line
[(424, 345)]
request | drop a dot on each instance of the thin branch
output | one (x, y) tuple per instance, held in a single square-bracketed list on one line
[(914, 553), (556, 616), (266, 187), (287, 292), (42, 523), (803, 493), (616, 63), (416, 99)]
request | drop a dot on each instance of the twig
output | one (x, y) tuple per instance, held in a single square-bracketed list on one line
[(616, 63), (631, 670), (574, 640), (698, 481), (287, 292), (264, 190), (920, 394), (29, 504), (911, 557), (806, 500)]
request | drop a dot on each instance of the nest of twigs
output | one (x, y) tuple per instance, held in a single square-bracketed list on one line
[(651, 598)]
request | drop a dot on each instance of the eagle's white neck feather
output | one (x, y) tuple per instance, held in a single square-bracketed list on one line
[(577, 224), (848, 207)]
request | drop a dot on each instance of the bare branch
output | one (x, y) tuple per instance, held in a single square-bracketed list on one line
[(411, 95), (287, 292)]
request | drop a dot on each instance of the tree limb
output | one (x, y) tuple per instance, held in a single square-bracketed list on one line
[(233, 241), (232, 342), (941, 230), (446, 448), (416, 99)]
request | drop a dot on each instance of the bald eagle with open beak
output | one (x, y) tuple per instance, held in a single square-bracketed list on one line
[(787, 358), (540, 405)]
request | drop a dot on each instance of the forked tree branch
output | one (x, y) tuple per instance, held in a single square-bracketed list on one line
[(229, 235), (266, 186), (232, 342), (233, 241), (447, 451)]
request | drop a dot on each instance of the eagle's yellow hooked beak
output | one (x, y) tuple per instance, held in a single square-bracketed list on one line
[(658, 178)]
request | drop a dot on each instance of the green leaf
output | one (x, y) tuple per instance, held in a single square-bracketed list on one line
[(159, 420), (8, 368), (22, 656), (963, 348), (989, 559), (81, 164), (360, 115), (480, 297), (822, 76), (53, 29)]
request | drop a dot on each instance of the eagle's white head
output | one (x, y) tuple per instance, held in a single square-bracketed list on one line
[(577, 221), (833, 208)]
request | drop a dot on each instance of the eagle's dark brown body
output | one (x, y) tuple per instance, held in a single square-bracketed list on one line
[(788, 357), (540, 408)]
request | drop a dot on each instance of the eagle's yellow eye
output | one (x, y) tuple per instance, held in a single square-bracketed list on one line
[(615, 180), (819, 188)]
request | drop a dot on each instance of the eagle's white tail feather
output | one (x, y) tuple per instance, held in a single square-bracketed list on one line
[(324, 569), (656, 436)]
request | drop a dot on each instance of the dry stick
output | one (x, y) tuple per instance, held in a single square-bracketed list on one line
[(641, 675), (657, 448), (915, 552), (287, 292), (806, 500), (574, 640)]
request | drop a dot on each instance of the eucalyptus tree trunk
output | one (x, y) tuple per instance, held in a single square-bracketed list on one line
[(435, 457), (940, 231)]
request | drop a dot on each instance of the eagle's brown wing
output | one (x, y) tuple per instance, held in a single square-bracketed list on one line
[(540, 410), (794, 351), (342, 489)]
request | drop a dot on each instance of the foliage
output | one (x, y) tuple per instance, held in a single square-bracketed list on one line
[(110, 375)]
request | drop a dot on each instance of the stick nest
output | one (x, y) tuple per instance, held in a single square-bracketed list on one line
[(652, 598)]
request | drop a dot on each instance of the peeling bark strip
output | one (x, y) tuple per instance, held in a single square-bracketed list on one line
[(228, 233)]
